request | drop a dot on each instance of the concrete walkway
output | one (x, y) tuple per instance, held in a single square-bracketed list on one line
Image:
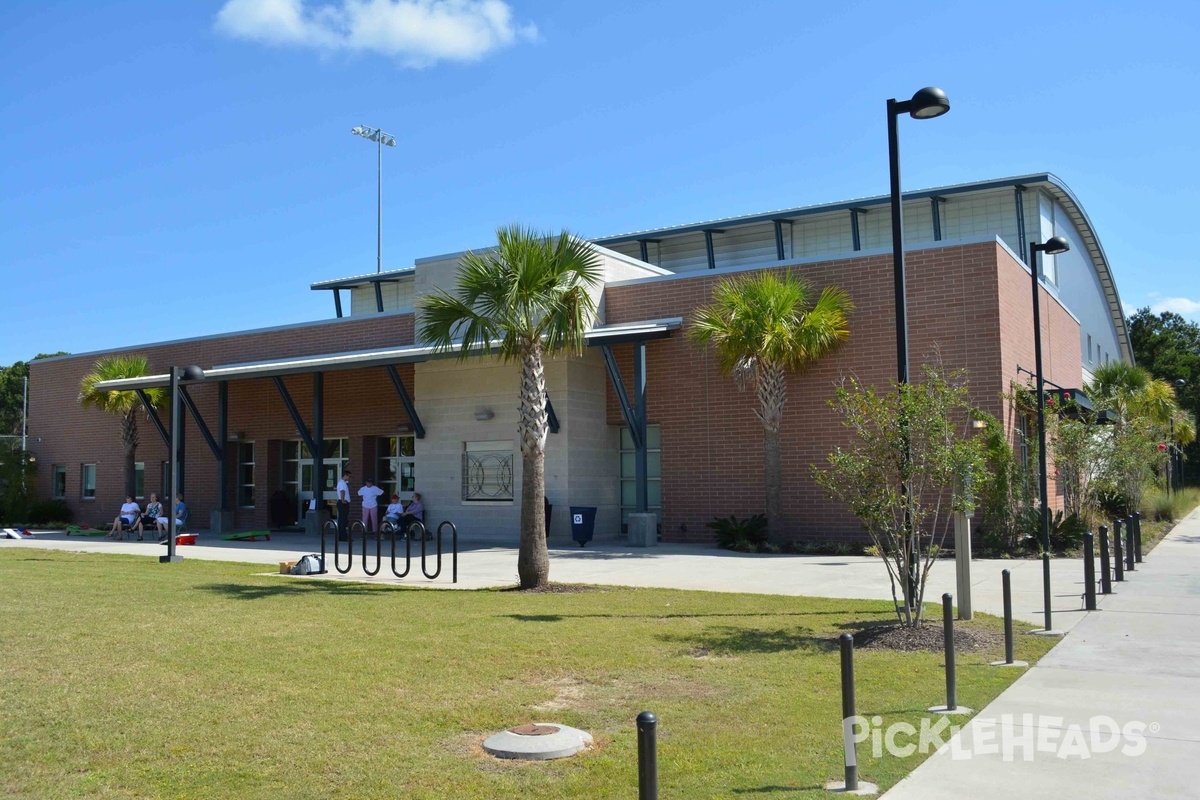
[(1135, 662), (481, 564)]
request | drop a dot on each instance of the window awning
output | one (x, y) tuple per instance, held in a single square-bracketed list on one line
[(623, 332)]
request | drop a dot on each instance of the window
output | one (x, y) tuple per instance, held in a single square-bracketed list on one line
[(87, 481), (1089, 358), (58, 483), (397, 464), (245, 467), (139, 480), (487, 471), (653, 471), (298, 466)]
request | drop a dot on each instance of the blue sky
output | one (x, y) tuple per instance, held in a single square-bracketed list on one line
[(186, 168)]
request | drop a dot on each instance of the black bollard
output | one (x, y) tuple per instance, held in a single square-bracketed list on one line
[(1089, 571), (1046, 613), (1129, 526), (1118, 558), (948, 631), (848, 714), (1137, 536), (647, 725), (1008, 633), (1105, 562)]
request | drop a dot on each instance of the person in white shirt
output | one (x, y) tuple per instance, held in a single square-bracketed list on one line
[(343, 506), (131, 515), (370, 499), (395, 511)]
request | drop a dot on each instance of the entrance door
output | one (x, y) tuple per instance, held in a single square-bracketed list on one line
[(298, 471)]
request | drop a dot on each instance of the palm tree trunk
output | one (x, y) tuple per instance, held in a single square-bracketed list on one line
[(533, 559), (129, 438), (772, 394)]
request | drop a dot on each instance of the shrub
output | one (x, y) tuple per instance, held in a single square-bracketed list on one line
[(45, 511), (744, 535), (1066, 533)]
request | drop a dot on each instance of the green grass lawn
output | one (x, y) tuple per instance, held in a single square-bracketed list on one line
[(125, 678)]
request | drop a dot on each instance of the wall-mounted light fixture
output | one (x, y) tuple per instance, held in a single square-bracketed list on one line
[(235, 437), (484, 414), (404, 427)]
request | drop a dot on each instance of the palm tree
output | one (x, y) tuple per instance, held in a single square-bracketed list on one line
[(762, 327), (1149, 412), (527, 298), (124, 404)]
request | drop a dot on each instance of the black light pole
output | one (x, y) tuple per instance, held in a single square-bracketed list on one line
[(927, 103), (1053, 246), (1177, 452), (189, 373)]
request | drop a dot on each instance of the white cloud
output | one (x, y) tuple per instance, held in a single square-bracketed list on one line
[(417, 32), (1180, 305)]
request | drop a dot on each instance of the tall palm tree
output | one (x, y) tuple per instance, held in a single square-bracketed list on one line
[(526, 299), (762, 326), (124, 404)]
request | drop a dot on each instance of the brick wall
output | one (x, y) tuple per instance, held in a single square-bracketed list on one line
[(964, 303)]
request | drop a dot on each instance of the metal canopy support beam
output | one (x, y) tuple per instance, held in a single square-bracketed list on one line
[(936, 211), (301, 428), (378, 297), (614, 375), (639, 410), (195, 412), (154, 418), (635, 415), (779, 255), (337, 302), (708, 246), (406, 401), (223, 437), (318, 434), (855, 226), (1019, 200), (551, 417)]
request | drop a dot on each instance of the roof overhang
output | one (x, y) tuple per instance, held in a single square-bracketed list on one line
[(365, 359), (624, 332), (391, 276)]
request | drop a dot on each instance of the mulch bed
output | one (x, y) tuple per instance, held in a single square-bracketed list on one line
[(967, 638), (555, 588)]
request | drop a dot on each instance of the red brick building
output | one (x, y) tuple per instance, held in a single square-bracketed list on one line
[(968, 300)]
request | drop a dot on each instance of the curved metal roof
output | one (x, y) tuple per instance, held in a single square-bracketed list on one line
[(1045, 180)]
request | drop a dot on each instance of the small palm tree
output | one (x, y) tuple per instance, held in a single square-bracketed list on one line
[(527, 298), (124, 404), (763, 327)]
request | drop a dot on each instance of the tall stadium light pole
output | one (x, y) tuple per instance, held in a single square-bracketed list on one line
[(380, 138), (927, 103), (1052, 246), (189, 373)]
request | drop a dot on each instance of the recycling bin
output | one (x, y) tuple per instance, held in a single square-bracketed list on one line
[(583, 523)]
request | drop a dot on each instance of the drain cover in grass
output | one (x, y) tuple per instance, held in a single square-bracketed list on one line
[(539, 741)]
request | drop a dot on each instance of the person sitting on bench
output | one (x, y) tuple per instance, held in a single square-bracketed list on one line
[(415, 512), (130, 516), (180, 518), (395, 511)]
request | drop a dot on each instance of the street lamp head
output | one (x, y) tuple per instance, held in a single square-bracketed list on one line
[(928, 103), (1180, 382), (1053, 246), (193, 373)]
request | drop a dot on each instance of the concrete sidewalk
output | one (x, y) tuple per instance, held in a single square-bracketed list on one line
[(482, 564), (1136, 662)]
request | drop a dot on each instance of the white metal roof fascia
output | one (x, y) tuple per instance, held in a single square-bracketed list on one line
[(391, 276), (654, 328), (291, 366)]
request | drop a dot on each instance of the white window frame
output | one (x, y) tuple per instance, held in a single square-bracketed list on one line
[(56, 471), (241, 464), (84, 469)]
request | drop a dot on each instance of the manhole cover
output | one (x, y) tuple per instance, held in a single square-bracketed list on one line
[(534, 730), (538, 741)]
